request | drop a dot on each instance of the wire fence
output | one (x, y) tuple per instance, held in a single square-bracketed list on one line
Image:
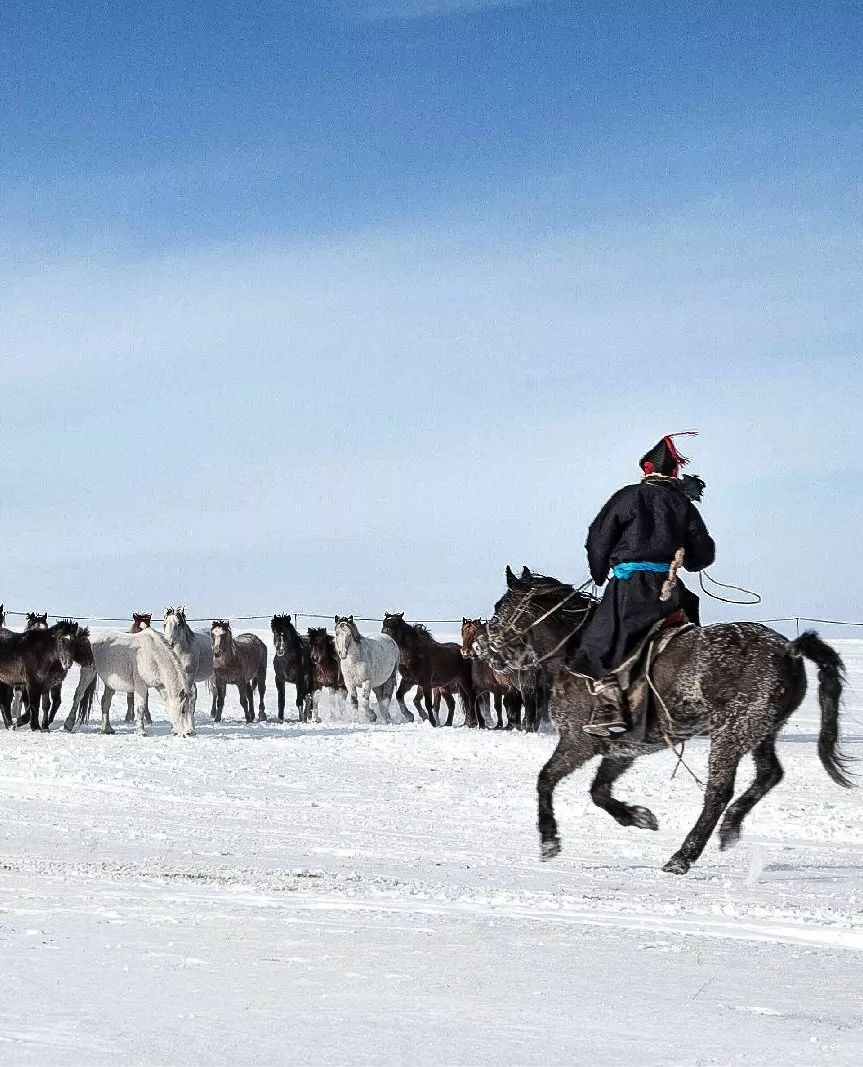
[(297, 615)]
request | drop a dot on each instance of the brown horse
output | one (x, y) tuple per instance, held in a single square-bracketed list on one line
[(141, 620), (501, 685), (239, 661), (431, 665), (326, 669)]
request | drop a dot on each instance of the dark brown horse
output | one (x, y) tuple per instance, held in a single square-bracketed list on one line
[(431, 665), (239, 661), (326, 669), (736, 683), (500, 685), (39, 659), (292, 664), (141, 620)]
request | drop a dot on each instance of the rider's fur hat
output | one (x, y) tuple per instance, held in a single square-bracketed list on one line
[(664, 458)]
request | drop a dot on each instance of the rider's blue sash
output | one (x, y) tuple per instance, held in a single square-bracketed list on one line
[(626, 570)]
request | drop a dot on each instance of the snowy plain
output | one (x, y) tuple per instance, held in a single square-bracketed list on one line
[(346, 893)]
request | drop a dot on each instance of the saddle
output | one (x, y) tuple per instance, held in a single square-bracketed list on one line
[(634, 675)]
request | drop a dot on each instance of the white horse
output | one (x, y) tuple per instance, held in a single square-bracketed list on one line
[(194, 650), (368, 664), (133, 663)]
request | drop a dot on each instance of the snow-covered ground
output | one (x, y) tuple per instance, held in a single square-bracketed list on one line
[(346, 893)]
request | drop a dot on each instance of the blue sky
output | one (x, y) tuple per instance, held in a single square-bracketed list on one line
[(343, 305)]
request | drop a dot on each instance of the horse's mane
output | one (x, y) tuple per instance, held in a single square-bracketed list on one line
[(224, 623)]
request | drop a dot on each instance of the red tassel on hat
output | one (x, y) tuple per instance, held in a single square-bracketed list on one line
[(679, 459)]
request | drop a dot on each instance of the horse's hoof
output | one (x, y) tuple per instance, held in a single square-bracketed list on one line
[(370, 716), (677, 865), (262, 716), (148, 718), (549, 849), (643, 818), (407, 716), (108, 730), (728, 837), (130, 716)]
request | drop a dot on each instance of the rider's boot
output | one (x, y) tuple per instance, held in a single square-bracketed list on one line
[(609, 718)]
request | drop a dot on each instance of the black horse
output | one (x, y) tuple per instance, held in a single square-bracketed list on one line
[(292, 664), (736, 683), (39, 660)]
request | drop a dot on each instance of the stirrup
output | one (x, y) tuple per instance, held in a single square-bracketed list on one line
[(607, 730)]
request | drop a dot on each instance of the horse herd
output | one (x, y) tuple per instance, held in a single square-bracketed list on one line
[(346, 664)]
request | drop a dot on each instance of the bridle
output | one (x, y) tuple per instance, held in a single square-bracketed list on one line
[(499, 640)]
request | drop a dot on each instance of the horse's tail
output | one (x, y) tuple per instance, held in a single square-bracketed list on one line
[(831, 679), (87, 698)]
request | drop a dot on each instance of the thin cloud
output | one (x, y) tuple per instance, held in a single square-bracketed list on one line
[(381, 10)]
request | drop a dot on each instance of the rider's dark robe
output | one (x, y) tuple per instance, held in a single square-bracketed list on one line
[(644, 522)]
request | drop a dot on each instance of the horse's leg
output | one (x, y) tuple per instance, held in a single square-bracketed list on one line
[(721, 769), (449, 700), (363, 694), (385, 694), (768, 774), (512, 704), (498, 710), (427, 697), (107, 696), (148, 718), (22, 716), (56, 697), (403, 686), (418, 703), (474, 701), (280, 697), (247, 700), (141, 708), (130, 707), (261, 681), (531, 718), (600, 793), (6, 704), (219, 691), (45, 706), (33, 700), (570, 754)]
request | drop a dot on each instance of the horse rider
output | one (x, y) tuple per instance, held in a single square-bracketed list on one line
[(636, 536)]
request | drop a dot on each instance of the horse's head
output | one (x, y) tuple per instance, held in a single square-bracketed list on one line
[(175, 619), (141, 620), (221, 636), (180, 711), (65, 635), (36, 621), (346, 634), (283, 633), (534, 619), (319, 643), (470, 628), (82, 650), (393, 624)]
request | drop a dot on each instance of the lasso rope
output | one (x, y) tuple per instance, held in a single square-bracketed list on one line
[(756, 597)]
